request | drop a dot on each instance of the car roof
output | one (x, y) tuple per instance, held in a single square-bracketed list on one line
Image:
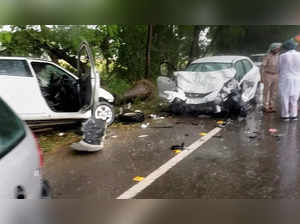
[(22, 58), (224, 59)]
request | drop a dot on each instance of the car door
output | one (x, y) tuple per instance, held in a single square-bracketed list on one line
[(20, 89), (249, 81), (88, 77)]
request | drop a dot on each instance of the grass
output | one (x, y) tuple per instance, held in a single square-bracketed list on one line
[(52, 141)]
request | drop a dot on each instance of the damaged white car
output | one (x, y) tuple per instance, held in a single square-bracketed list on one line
[(212, 85), (43, 93)]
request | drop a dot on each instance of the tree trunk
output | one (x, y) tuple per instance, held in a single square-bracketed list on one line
[(194, 52), (148, 52)]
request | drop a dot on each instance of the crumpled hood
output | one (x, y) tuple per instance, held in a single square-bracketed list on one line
[(203, 82)]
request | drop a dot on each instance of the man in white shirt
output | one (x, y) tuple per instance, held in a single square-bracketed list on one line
[(289, 80)]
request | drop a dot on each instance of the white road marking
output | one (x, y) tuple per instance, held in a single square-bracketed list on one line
[(139, 187)]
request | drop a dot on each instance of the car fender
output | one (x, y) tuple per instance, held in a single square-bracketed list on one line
[(102, 93)]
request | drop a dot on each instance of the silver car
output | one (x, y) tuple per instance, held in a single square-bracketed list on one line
[(20, 159), (211, 84)]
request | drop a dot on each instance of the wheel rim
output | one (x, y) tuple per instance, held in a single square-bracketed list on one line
[(104, 112)]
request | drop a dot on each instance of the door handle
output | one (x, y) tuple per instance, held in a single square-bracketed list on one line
[(20, 193)]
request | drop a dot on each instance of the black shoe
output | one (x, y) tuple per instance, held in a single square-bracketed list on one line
[(285, 118), (294, 118)]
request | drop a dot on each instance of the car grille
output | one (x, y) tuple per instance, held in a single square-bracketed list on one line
[(197, 95)]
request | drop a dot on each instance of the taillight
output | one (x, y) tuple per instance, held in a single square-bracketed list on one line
[(39, 151)]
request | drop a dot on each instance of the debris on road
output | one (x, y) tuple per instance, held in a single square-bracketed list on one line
[(273, 130), (177, 147), (143, 136), (61, 134), (138, 179), (143, 126), (114, 136), (203, 134), (177, 151), (156, 117)]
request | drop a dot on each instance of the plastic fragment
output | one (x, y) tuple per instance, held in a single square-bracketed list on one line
[(273, 130), (143, 136), (138, 179)]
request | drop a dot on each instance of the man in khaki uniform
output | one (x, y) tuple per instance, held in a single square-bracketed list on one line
[(270, 74)]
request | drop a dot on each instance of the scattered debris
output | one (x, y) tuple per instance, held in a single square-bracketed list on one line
[(178, 147), (203, 134), (273, 130), (114, 136), (143, 136), (155, 117), (61, 134), (145, 125), (138, 179), (177, 151)]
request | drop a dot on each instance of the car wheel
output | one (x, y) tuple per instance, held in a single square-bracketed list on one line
[(105, 111)]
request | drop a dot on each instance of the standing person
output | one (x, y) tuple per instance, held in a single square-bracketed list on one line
[(270, 73), (289, 80)]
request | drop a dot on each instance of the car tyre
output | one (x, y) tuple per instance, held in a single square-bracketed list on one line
[(132, 117)]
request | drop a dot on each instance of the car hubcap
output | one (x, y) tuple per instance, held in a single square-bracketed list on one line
[(104, 112)]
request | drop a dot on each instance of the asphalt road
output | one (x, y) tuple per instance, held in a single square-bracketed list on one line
[(244, 160)]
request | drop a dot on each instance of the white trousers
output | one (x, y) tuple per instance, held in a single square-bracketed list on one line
[(289, 106)]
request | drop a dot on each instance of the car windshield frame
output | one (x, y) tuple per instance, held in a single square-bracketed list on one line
[(208, 66), (12, 130)]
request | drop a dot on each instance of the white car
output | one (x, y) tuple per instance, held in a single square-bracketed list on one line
[(40, 90), (20, 159), (211, 84)]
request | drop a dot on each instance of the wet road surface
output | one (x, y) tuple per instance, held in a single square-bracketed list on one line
[(244, 161)]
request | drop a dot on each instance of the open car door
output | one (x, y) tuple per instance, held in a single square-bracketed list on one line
[(88, 78)]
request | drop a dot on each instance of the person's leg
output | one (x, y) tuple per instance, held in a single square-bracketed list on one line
[(267, 85), (273, 92), (284, 102), (294, 106)]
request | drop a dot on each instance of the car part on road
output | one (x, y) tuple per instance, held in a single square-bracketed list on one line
[(93, 136), (178, 147), (131, 117)]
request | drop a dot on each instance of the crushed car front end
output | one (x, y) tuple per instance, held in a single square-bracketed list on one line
[(201, 92)]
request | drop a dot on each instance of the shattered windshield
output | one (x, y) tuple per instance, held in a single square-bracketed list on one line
[(208, 67)]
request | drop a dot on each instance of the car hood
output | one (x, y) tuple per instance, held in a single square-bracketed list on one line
[(203, 82)]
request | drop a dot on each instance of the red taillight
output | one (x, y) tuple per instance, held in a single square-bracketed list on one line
[(39, 151)]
